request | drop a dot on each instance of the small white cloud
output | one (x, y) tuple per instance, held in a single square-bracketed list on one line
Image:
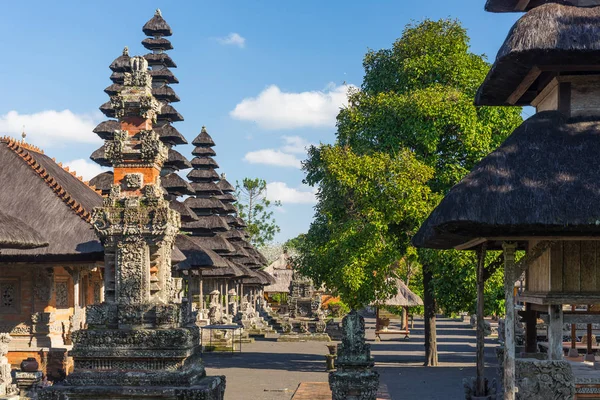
[(51, 128), (295, 144), (84, 168), (272, 157), (287, 195), (274, 109), (233, 39)]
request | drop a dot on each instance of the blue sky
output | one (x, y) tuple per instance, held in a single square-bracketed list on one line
[(265, 77)]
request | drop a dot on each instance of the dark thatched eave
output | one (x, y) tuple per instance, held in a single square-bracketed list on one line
[(106, 129), (103, 181), (157, 44), (117, 77), (231, 271), (99, 157), (121, 63), (552, 38), (53, 201), (203, 139), (169, 134), (163, 75), (187, 215), (204, 152), (207, 188), (207, 224), (540, 182), (177, 160), (206, 175), (157, 26), (197, 255), (174, 184), (499, 6), (165, 93), (160, 59), (107, 110), (169, 113), (270, 279), (205, 205), (226, 198), (16, 234), (113, 89), (225, 186), (177, 256), (204, 162)]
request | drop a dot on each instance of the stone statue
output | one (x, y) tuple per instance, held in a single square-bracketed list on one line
[(354, 378), (215, 315)]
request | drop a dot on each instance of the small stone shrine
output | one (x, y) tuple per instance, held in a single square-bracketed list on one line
[(137, 344), (354, 378), (303, 301), (6, 386)]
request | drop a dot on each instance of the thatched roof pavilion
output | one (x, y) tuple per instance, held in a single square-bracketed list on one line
[(565, 39), (403, 298)]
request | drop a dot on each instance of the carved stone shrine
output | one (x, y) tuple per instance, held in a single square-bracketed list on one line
[(138, 343)]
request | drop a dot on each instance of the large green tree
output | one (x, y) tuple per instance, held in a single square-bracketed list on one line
[(256, 210), (417, 99)]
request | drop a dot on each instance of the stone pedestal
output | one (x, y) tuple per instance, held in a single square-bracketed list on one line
[(354, 378), (27, 382), (6, 385)]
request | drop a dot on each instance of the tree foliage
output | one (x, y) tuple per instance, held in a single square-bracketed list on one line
[(414, 115), (256, 210)]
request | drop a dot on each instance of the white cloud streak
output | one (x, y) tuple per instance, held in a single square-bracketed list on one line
[(51, 128), (85, 168), (280, 191), (233, 39), (272, 157), (274, 109)]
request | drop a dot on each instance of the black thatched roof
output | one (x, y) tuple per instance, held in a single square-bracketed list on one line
[(165, 93), (224, 185), (233, 235), (552, 36), (177, 256), (403, 298), (113, 89), (512, 5), (117, 77), (169, 113), (202, 175), (16, 234), (542, 181), (107, 110), (53, 201), (187, 215), (204, 162), (204, 151), (169, 134), (197, 255), (160, 59), (203, 139), (99, 157), (231, 271), (163, 75), (103, 181), (106, 129), (225, 198), (157, 44), (207, 188), (177, 160), (205, 204), (157, 26), (121, 63), (206, 224), (174, 184)]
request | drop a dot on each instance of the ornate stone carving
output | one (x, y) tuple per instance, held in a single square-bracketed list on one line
[(62, 294), (153, 149), (132, 277), (134, 180), (544, 380), (43, 279), (354, 378), (6, 386)]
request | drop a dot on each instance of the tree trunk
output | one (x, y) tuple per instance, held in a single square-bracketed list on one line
[(431, 357)]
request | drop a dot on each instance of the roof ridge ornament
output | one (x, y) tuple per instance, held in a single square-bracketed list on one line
[(126, 51), (158, 13)]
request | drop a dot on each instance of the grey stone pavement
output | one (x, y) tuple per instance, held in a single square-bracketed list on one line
[(268, 370)]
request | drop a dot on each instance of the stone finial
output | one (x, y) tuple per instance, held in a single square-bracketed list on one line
[(203, 130), (126, 51), (158, 13)]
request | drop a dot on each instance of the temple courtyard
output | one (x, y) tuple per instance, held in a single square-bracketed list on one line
[(273, 370)]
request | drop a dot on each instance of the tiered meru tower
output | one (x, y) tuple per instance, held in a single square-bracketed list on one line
[(540, 190), (137, 344)]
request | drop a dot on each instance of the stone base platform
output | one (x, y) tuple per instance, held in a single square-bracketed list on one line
[(304, 337), (321, 391), (209, 388)]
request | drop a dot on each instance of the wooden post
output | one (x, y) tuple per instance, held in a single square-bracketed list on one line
[(555, 338), (530, 329), (480, 385), (509, 324), (226, 297), (573, 351), (201, 283), (589, 356)]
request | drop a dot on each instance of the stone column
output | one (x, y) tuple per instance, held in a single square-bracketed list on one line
[(555, 336), (509, 326), (226, 297)]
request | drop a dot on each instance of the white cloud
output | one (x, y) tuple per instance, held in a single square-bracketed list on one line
[(274, 109), (233, 39), (295, 144), (50, 128), (272, 157), (84, 168), (288, 195)]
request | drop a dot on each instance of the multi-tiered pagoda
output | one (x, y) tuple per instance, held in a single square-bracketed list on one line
[(540, 190)]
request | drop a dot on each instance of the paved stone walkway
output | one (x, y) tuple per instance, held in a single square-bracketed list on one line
[(270, 370)]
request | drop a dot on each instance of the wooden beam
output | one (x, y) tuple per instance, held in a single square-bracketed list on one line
[(471, 243), (531, 76), (521, 5), (480, 384), (509, 324)]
